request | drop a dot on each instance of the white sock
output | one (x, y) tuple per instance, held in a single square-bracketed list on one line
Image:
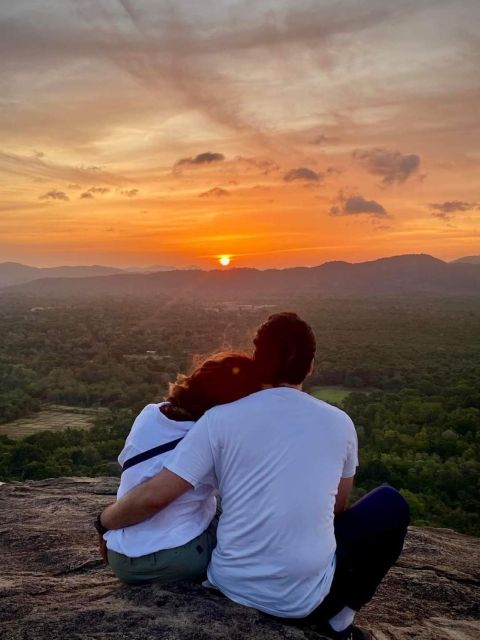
[(343, 619)]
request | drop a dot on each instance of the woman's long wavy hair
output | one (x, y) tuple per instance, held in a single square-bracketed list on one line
[(221, 378)]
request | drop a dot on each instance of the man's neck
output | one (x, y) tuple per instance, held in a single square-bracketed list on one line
[(299, 387)]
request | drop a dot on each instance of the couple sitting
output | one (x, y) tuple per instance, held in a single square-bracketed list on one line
[(283, 464)]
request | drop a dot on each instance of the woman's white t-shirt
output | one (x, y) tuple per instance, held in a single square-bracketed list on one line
[(185, 518)]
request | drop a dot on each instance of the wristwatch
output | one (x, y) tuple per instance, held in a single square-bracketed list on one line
[(99, 526)]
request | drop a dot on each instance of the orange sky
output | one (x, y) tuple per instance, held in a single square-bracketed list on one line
[(281, 133)]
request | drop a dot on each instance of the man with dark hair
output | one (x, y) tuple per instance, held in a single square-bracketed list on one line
[(284, 463), (284, 349)]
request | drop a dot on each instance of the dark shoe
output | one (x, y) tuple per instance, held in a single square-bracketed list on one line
[(351, 633), (358, 633)]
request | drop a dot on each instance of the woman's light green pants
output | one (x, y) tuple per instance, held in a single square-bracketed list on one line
[(188, 562)]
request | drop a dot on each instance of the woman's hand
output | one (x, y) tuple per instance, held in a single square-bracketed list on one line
[(102, 547)]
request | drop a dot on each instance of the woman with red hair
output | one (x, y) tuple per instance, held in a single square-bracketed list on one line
[(177, 543)]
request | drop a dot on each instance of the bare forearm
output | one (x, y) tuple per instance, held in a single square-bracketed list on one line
[(144, 501), (135, 507), (343, 495)]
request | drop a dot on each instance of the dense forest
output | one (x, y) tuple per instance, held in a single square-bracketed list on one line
[(412, 368)]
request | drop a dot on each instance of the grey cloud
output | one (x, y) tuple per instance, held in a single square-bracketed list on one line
[(441, 209), (216, 192), (90, 193), (202, 158), (302, 173), (393, 166), (129, 193), (442, 215), (334, 170), (354, 205), (323, 139), (54, 195), (100, 190)]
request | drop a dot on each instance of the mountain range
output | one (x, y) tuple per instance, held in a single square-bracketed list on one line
[(405, 274), (13, 273)]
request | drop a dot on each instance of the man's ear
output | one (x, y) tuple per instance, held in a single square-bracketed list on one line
[(312, 364)]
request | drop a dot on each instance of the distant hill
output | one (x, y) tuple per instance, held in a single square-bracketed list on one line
[(469, 259), (157, 267), (12, 273), (407, 274)]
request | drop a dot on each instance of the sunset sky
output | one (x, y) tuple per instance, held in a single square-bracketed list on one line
[(281, 132)]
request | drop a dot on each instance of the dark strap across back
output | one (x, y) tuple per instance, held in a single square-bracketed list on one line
[(150, 453)]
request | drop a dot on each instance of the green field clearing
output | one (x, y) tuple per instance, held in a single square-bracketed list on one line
[(334, 395), (52, 418)]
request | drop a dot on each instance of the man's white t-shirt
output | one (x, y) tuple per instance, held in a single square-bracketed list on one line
[(185, 518), (278, 456)]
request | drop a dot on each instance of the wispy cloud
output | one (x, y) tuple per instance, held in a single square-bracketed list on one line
[(54, 195), (129, 193), (303, 174), (206, 158), (322, 139), (34, 168), (265, 166), (216, 192), (452, 206), (93, 191), (99, 190)]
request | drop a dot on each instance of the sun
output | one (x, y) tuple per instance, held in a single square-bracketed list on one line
[(224, 261)]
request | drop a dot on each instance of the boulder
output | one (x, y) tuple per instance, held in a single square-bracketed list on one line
[(53, 584)]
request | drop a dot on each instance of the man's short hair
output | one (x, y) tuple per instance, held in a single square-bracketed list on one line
[(284, 349)]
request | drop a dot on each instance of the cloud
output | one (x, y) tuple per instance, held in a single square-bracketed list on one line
[(393, 166), (442, 209), (99, 190), (323, 139), (172, 47), (334, 170), (55, 195), (265, 165), (302, 173), (201, 159), (90, 193), (355, 205), (216, 192), (39, 169), (130, 193)]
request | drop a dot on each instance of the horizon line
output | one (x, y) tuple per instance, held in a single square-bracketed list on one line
[(170, 268)]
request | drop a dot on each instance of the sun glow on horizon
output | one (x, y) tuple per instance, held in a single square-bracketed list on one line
[(224, 260)]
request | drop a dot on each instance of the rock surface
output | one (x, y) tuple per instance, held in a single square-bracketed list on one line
[(53, 585)]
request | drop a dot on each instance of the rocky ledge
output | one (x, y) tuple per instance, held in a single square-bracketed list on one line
[(53, 585)]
